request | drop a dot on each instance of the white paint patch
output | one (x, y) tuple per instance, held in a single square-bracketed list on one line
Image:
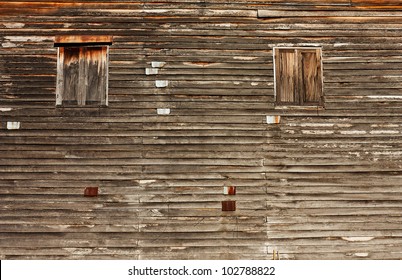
[(146, 181), (178, 248), (255, 84), (361, 255), (223, 25), (343, 125), (244, 57), (341, 44), (309, 45), (13, 125), (151, 71), (161, 83), (384, 132), (72, 156), (317, 125), (358, 238), (6, 109), (158, 64), (353, 132), (79, 251), (385, 97), (273, 119), (27, 38), (317, 132), (163, 111), (388, 153), (385, 125), (156, 11), (14, 25), (8, 45)]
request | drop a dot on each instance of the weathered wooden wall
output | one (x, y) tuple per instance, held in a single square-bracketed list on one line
[(321, 184)]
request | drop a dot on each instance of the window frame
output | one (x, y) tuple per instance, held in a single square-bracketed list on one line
[(300, 102), (87, 46)]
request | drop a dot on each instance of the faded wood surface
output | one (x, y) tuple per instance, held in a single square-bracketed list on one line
[(320, 184)]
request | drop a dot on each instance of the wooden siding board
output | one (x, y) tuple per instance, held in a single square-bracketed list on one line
[(306, 187)]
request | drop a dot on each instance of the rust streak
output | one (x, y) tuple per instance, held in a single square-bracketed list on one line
[(77, 39)]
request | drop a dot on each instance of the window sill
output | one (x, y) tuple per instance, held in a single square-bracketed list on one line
[(81, 107), (300, 107)]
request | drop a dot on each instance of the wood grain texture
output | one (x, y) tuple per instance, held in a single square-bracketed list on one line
[(323, 183)]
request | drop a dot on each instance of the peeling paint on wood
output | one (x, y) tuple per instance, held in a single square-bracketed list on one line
[(229, 190), (161, 83), (14, 25), (358, 238), (158, 64), (273, 119), (361, 255), (151, 71), (13, 125), (6, 109), (8, 45), (147, 181), (163, 111)]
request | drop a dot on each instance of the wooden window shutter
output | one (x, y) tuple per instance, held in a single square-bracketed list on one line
[(95, 69), (298, 76), (286, 75), (68, 93), (310, 80), (82, 71)]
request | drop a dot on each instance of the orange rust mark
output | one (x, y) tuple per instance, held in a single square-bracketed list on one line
[(231, 190), (95, 54), (79, 39)]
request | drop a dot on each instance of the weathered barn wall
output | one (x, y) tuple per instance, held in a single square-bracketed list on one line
[(321, 184)]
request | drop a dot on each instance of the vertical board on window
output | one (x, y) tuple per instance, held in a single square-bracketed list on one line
[(310, 75), (71, 73), (286, 76), (96, 71)]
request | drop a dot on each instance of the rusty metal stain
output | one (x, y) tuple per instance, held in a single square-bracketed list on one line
[(229, 205), (273, 119), (91, 191), (230, 190)]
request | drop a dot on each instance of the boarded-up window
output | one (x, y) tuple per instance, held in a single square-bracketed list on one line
[(82, 74), (298, 76)]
